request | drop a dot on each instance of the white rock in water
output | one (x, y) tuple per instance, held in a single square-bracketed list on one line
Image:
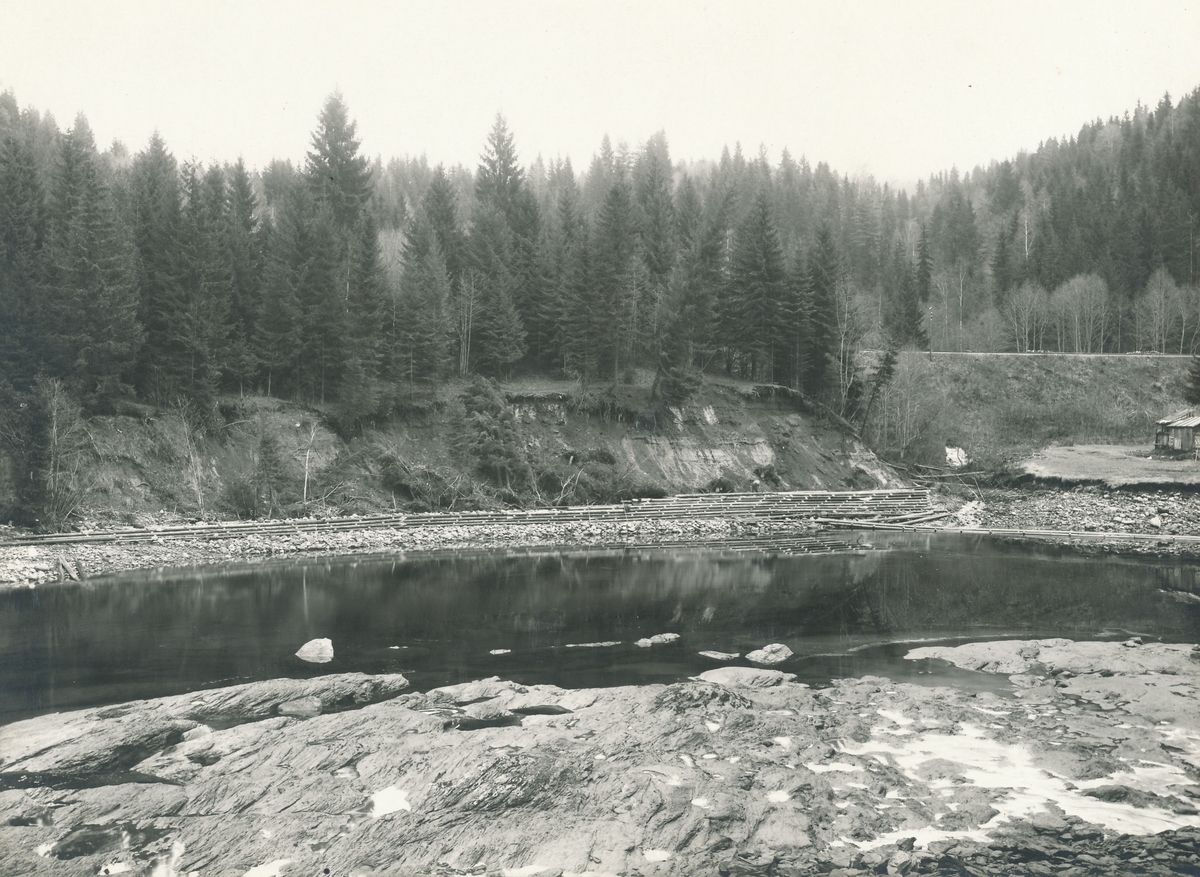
[(721, 656), (657, 640), (316, 651), (772, 654)]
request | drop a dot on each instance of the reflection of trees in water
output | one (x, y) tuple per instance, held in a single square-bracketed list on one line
[(1017, 590), (209, 624)]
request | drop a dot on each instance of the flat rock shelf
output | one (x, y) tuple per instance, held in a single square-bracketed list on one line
[(1088, 766)]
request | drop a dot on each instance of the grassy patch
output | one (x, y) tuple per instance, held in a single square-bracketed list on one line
[(1000, 408)]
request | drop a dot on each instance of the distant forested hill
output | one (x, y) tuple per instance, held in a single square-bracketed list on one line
[(350, 284)]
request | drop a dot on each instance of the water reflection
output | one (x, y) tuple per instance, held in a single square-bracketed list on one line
[(437, 620)]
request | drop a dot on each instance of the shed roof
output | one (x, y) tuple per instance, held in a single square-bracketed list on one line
[(1178, 415), (1184, 423)]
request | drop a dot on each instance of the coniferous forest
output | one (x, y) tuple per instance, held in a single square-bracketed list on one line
[(349, 283)]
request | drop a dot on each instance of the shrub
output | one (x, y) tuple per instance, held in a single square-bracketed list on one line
[(489, 437)]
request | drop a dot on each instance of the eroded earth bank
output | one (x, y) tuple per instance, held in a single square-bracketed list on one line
[(1087, 762)]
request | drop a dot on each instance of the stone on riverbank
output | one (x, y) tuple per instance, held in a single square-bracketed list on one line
[(746, 677)]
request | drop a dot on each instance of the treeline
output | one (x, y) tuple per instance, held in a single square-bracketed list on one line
[(351, 284)]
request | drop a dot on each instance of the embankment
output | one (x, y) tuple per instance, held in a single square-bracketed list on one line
[(1000, 408), (546, 444)]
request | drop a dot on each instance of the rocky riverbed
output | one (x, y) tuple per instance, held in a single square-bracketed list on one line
[(1088, 764)]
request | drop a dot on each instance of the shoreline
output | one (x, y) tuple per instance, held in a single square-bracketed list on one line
[(1091, 512)]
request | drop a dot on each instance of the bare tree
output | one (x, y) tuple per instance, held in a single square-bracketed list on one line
[(1081, 311), (1156, 312), (853, 321), (1026, 312)]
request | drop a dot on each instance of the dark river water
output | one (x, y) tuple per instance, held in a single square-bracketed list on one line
[(437, 620)]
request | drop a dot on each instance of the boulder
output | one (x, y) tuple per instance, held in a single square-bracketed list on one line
[(775, 653), (316, 651)]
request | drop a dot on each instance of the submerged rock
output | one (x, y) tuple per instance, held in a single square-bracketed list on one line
[(316, 651), (775, 653), (720, 656)]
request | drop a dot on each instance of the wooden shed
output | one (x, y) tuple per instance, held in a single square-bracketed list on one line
[(1177, 432)]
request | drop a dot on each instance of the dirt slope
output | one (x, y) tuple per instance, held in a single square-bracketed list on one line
[(264, 457)]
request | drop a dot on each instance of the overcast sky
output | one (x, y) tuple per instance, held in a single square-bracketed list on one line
[(895, 89)]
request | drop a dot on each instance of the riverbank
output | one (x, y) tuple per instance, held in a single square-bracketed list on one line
[(1087, 764), (1158, 515), (32, 565)]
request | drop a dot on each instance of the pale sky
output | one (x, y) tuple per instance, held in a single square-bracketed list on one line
[(896, 89)]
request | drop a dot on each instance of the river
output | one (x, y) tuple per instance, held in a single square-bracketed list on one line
[(572, 618)]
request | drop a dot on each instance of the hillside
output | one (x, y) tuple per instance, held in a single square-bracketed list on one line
[(1000, 408), (558, 445)]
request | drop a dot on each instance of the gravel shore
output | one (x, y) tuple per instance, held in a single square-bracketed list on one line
[(1086, 510), (31, 565), (1090, 510)]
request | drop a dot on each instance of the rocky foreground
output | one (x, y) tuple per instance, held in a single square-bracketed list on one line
[(1091, 766)]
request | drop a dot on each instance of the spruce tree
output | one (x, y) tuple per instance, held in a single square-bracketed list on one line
[(157, 211), (422, 331), (198, 330), (440, 209), (903, 325), (21, 242), (612, 269), (322, 289), (338, 176), (278, 322), (757, 292), (244, 250), (366, 307), (497, 338), (656, 210), (500, 179), (824, 272), (90, 295), (924, 268)]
